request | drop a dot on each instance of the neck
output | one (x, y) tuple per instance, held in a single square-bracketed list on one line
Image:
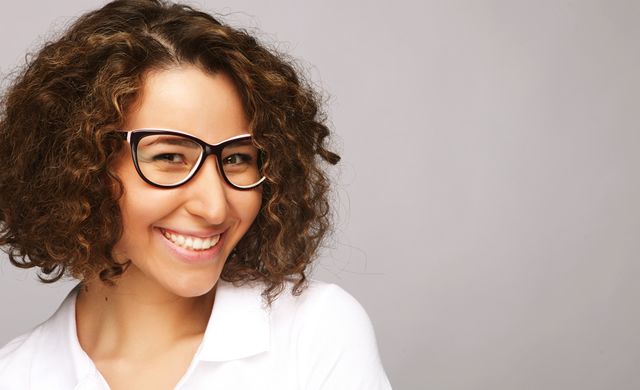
[(136, 316)]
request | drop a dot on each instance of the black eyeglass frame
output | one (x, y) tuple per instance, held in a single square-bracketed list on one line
[(133, 138)]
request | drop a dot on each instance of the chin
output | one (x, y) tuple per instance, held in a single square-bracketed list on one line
[(189, 288)]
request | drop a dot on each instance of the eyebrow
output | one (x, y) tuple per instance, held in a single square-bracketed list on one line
[(171, 140), (243, 142)]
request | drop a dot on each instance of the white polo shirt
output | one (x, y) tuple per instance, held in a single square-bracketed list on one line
[(320, 340)]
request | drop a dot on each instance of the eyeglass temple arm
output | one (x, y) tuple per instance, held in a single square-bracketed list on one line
[(124, 135)]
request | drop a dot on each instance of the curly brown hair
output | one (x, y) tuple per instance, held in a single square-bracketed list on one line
[(59, 144)]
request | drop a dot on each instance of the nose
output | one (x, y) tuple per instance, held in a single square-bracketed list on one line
[(207, 193)]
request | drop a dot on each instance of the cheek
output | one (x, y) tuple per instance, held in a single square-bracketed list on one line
[(249, 206), (139, 206)]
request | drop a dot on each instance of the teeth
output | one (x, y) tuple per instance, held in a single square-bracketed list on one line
[(192, 243)]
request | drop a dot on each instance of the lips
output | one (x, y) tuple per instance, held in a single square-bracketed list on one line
[(192, 243)]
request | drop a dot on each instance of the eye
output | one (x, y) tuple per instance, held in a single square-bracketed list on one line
[(172, 158), (235, 159)]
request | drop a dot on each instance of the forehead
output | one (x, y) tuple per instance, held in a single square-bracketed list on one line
[(189, 100)]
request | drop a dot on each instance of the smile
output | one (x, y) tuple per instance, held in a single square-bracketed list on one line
[(190, 242)]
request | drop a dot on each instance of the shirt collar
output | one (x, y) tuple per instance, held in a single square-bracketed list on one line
[(239, 324), (59, 358)]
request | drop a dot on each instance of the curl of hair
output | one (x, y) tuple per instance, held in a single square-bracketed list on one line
[(59, 191)]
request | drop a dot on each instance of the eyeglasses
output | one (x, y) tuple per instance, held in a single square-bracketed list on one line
[(170, 158)]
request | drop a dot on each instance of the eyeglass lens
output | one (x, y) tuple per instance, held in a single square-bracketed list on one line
[(166, 159)]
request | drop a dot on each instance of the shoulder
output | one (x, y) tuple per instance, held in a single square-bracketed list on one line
[(335, 341), (43, 358), (326, 311), (322, 303), (326, 308), (16, 358)]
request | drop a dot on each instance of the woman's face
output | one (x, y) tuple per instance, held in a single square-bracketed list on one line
[(204, 208)]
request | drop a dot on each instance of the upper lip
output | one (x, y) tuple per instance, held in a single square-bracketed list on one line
[(193, 233)]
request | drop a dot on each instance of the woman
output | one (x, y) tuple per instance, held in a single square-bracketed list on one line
[(175, 167)]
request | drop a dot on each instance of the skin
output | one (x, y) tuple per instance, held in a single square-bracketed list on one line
[(143, 332)]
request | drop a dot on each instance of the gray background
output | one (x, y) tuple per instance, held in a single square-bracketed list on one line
[(489, 192)]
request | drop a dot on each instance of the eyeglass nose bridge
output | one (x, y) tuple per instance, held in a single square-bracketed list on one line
[(216, 152)]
